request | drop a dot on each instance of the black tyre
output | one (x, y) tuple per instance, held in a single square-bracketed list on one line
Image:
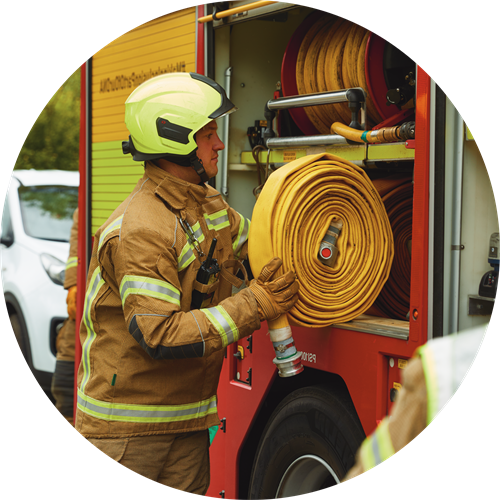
[(19, 329), (308, 444), (21, 333)]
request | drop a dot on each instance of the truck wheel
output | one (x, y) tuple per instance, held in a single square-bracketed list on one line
[(308, 444)]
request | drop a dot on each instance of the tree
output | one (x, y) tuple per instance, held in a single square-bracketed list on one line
[(53, 142)]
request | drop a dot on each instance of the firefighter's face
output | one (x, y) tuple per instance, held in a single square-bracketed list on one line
[(209, 146)]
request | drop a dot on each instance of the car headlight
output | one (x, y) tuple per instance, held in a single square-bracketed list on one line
[(54, 268)]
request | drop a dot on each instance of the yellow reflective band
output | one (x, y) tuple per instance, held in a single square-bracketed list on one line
[(114, 226), (242, 235), (223, 323), (431, 382), (218, 220), (71, 262), (95, 285), (120, 412), (187, 255), (149, 287), (377, 447), (198, 233)]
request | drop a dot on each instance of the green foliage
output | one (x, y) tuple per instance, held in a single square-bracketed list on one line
[(53, 142), (57, 201)]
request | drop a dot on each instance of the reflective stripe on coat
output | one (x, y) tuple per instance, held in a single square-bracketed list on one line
[(430, 380)]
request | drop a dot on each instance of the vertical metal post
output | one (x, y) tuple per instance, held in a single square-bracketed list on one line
[(456, 224), (84, 222), (225, 157)]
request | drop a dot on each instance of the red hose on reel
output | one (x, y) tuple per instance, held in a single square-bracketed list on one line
[(328, 53)]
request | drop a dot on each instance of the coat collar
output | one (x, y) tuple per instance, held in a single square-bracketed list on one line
[(173, 190)]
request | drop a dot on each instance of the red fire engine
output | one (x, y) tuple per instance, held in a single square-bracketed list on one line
[(288, 435)]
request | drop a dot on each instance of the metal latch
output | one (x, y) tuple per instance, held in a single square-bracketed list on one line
[(240, 354)]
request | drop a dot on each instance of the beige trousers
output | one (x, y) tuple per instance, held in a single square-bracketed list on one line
[(180, 461)]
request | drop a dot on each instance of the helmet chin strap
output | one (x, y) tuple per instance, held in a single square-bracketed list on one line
[(190, 160), (198, 167)]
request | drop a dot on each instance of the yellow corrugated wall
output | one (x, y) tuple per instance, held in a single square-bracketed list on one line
[(164, 45)]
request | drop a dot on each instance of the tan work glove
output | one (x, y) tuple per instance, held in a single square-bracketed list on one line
[(276, 297), (71, 301)]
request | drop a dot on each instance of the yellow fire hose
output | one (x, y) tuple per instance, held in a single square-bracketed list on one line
[(290, 219), (332, 57)]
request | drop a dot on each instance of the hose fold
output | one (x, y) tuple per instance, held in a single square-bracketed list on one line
[(291, 217)]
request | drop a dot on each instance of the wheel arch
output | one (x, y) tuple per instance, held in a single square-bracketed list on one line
[(44, 379), (280, 389), (12, 303), (13, 307)]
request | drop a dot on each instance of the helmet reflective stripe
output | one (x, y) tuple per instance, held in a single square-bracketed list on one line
[(223, 323), (145, 413), (95, 285), (149, 287)]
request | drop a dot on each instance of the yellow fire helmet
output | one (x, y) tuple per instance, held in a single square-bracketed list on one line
[(164, 113)]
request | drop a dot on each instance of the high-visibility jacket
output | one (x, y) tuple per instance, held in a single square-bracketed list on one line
[(429, 381), (150, 365)]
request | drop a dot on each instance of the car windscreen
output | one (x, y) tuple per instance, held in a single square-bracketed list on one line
[(47, 211)]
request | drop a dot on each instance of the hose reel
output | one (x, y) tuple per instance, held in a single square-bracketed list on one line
[(320, 214), (328, 53)]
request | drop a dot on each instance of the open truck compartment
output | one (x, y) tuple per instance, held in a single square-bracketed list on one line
[(290, 52)]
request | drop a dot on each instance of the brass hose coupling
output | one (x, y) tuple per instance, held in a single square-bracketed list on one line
[(328, 250)]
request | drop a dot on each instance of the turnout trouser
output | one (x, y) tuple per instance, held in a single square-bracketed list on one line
[(180, 461)]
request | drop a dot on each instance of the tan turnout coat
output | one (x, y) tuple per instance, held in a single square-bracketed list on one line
[(150, 365)]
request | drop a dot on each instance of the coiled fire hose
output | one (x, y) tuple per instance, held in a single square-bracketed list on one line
[(397, 194), (295, 210), (332, 57)]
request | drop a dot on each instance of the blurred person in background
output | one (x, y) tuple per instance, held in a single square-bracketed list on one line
[(64, 374), (431, 378)]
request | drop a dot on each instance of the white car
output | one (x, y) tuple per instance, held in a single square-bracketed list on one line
[(36, 225)]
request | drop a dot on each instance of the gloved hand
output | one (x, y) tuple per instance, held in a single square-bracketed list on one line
[(275, 297), (71, 301)]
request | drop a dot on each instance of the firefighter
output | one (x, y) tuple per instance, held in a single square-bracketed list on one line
[(150, 363), (431, 378), (62, 386)]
